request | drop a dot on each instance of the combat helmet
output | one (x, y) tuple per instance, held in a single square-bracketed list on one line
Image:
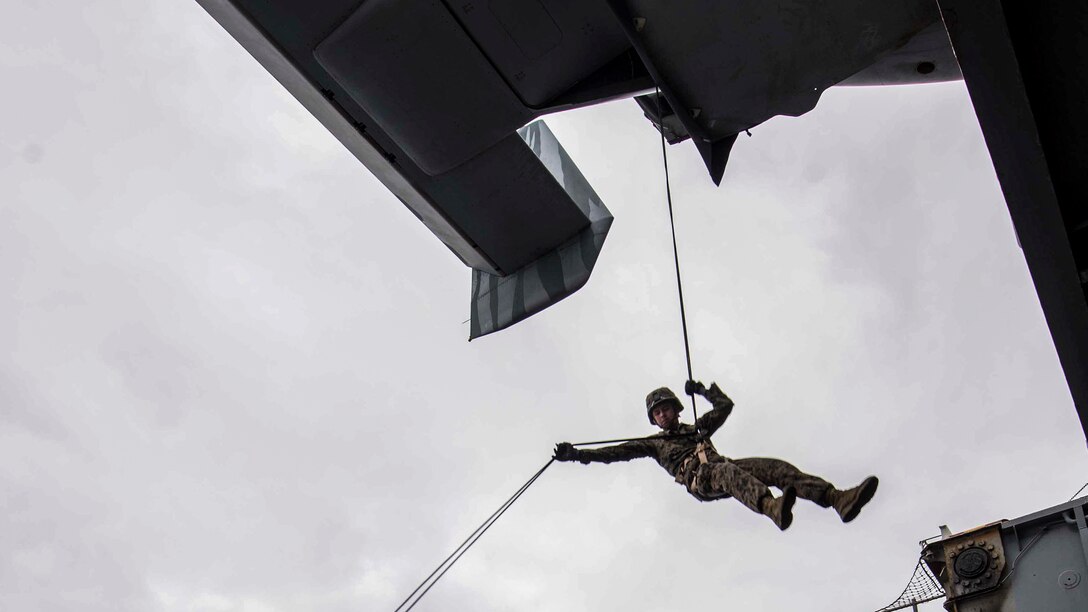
[(660, 396)]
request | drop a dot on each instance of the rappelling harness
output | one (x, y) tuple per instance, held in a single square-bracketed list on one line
[(690, 474), (689, 469)]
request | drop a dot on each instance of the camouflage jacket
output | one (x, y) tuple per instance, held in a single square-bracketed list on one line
[(671, 449)]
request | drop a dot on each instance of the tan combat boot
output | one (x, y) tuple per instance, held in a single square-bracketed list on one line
[(849, 503), (780, 509)]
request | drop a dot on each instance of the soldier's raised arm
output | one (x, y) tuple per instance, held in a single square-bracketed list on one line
[(723, 406), (564, 451)]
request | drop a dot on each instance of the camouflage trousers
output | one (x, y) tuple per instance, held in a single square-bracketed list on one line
[(748, 481)]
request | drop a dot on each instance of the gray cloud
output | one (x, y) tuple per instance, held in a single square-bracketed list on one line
[(236, 375)]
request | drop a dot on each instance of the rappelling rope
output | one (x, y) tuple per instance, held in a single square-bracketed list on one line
[(669, 436), (458, 552), (675, 252), (417, 594)]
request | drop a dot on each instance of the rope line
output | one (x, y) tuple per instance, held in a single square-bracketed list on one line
[(655, 437), (1016, 560), (1078, 492), (458, 552), (675, 252)]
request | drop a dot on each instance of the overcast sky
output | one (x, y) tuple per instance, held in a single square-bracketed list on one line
[(235, 375)]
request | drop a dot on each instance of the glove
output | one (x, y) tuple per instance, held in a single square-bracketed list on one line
[(692, 387), (565, 451)]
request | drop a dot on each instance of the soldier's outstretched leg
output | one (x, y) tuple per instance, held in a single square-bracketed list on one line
[(726, 479), (779, 473)]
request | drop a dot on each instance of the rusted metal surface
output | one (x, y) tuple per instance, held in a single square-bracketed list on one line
[(969, 564)]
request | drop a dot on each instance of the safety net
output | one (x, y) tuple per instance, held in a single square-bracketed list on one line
[(923, 587)]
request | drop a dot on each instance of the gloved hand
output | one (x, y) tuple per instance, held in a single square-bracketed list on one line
[(692, 387), (565, 451)]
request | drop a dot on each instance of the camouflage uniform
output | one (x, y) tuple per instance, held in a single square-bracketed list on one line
[(706, 474)]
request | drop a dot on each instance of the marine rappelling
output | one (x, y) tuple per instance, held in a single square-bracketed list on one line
[(686, 452)]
